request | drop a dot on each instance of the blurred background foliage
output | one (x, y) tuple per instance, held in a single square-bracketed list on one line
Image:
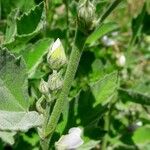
[(110, 102)]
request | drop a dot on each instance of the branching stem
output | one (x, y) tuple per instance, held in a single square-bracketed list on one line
[(76, 53)]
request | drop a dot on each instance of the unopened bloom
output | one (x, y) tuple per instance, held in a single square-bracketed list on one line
[(70, 141), (43, 87), (56, 56), (55, 81), (86, 15), (121, 60)]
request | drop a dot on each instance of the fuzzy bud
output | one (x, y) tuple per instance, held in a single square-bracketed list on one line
[(43, 87), (121, 60), (86, 16), (55, 81), (56, 56)]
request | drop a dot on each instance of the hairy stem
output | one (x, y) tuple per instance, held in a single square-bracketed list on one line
[(106, 128), (45, 142), (76, 53), (67, 29)]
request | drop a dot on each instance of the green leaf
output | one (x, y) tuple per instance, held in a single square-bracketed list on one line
[(33, 54), (89, 145), (19, 121), (142, 135), (14, 99), (104, 89), (29, 22), (7, 137), (13, 83), (11, 25), (27, 26), (101, 31), (134, 96)]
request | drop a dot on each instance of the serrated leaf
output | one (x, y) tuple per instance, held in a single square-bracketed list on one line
[(104, 88), (29, 22), (134, 96), (19, 121), (7, 137), (101, 31), (33, 54), (13, 83), (27, 26), (14, 99), (11, 25)]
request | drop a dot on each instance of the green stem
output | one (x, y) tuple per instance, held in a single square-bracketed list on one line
[(76, 53), (45, 142), (67, 28), (106, 128), (110, 8)]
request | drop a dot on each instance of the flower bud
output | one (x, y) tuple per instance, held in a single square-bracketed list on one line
[(70, 141), (56, 56), (43, 87), (86, 16), (121, 60), (55, 81)]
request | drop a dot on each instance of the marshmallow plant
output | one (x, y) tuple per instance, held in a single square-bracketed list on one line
[(54, 88), (56, 58)]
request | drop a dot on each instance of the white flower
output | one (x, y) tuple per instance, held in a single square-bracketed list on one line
[(108, 41), (70, 141), (121, 60), (139, 123), (56, 56)]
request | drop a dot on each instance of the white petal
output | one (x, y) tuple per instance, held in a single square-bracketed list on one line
[(108, 41), (56, 44), (71, 140), (121, 60), (75, 130)]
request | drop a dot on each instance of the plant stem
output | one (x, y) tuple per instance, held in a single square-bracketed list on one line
[(106, 128), (76, 53), (67, 27), (45, 142), (108, 10)]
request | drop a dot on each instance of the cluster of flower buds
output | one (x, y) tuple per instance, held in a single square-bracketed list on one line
[(86, 16), (56, 58), (70, 141)]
